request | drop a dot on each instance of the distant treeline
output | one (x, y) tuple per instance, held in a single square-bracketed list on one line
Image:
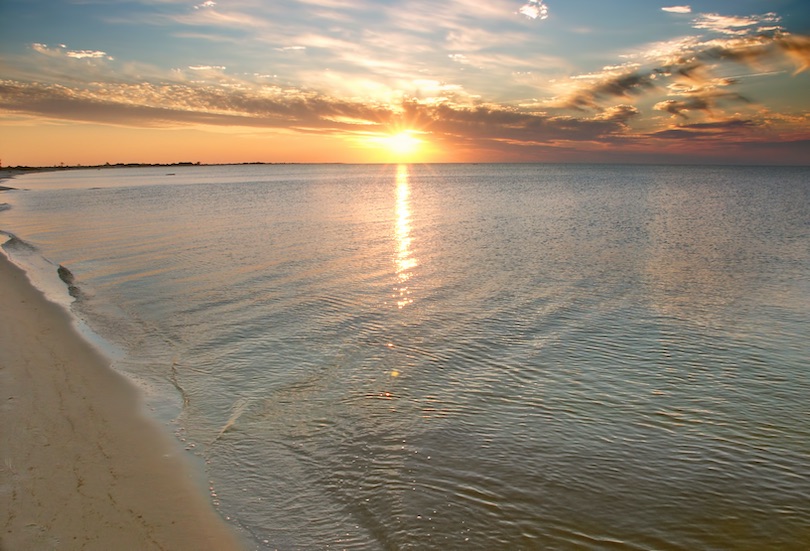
[(129, 165)]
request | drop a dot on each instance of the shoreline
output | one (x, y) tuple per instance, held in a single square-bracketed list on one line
[(81, 465)]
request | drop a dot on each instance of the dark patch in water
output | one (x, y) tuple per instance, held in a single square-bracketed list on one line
[(69, 279), (65, 275)]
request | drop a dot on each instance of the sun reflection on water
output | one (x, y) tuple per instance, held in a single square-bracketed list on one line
[(405, 262)]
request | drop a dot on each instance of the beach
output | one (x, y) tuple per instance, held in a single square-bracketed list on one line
[(371, 357), (81, 467)]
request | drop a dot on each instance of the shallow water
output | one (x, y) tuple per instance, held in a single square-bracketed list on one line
[(447, 356)]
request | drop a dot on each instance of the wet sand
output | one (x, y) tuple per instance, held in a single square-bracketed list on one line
[(80, 466)]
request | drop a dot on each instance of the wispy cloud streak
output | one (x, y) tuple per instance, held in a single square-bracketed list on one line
[(732, 25), (62, 50), (677, 9)]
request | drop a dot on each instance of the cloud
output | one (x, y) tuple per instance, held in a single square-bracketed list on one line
[(695, 64), (88, 54), (152, 105), (679, 107), (711, 130), (62, 51), (624, 85), (355, 40), (731, 24), (497, 124), (723, 125), (487, 131), (797, 49), (229, 19), (534, 9), (332, 3), (475, 40), (618, 113), (760, 51), (429, 65), (166, 105)]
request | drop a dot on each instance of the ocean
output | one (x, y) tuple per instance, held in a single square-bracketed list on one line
[(379, 357)]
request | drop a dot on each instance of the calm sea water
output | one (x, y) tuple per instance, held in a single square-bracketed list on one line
[(459, 356)]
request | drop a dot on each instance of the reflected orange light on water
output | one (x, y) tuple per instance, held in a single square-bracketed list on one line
[(404, 260)]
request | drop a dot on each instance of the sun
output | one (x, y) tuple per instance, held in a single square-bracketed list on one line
[(402, 143)]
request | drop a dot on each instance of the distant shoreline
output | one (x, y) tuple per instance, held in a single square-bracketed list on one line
[(11, 171)]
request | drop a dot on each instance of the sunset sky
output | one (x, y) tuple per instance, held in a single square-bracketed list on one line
[(95, 81)]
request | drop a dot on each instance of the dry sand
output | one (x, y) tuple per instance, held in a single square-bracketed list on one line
[(81, 467)]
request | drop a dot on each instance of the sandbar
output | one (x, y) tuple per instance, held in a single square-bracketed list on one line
[(81, 465)]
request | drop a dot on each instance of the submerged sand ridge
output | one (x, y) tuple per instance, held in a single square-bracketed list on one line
[(81, 469)]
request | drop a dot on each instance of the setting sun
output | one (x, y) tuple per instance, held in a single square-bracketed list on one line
[(403, 143), (398, 146)]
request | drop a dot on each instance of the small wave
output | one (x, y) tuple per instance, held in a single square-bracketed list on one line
[(14, 243), (4, 206), (238, 408), (176, 383), (7, 188), (40, 269)]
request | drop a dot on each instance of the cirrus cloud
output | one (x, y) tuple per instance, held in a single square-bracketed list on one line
[(62, 50), (732, 24)]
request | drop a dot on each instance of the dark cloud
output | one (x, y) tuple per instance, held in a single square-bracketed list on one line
[(695, 64), (491, 123), (700, 100), (625, 85), (760, 50), (148, 105), (155, 106), (722, 125), (679, 107), (708, 130)]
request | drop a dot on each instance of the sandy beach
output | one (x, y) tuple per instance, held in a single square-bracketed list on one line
[(81, 467)]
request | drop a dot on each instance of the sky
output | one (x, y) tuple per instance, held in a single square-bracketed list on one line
[(361, 81)]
